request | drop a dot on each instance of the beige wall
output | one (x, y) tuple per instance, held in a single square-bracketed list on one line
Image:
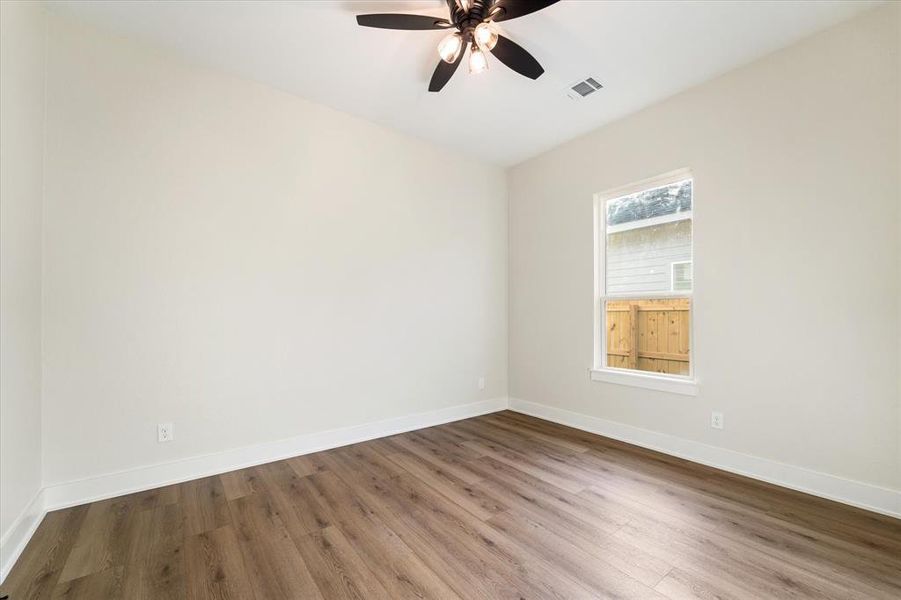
[(248, 265), (22, 30), (795, 159)]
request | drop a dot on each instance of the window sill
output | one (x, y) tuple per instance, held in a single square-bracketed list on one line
[(675, 385)]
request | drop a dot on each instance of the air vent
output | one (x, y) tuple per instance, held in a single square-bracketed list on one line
[(583, 88)]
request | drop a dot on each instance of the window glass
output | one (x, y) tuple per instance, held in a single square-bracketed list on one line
[(648, 279), (647, 233)]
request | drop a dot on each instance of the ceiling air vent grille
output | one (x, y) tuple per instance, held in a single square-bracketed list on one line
[(583, 88)]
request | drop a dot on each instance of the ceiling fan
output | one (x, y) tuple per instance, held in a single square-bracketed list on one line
[(473, 25)]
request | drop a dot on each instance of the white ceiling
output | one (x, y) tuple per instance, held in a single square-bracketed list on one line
[(641, 51)]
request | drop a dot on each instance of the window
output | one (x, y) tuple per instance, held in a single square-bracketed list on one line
[(645, 280), (681, 276)]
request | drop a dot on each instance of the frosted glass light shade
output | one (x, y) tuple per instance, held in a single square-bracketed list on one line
[(486, 36), (450, 47), (478, 63)]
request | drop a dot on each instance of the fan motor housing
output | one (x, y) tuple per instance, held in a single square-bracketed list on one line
[(467, 21)]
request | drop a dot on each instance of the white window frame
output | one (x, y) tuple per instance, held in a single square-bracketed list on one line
[(678, 384)]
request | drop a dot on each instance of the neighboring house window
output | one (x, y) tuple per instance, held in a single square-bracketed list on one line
[(644, 247), (681, 276)]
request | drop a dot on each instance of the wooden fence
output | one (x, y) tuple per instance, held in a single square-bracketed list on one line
[(649, 335)]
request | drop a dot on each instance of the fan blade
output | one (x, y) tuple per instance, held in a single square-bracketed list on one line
[(512, 9), (515, 56), (443, 72), (406, 22)]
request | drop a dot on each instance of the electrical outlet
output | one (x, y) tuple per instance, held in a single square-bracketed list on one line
[(165, 432), (482, 383), (716, 420)]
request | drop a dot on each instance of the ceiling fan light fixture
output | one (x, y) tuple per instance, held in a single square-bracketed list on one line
[(450, 47), (485, 35), (469, 23), (478, 62)]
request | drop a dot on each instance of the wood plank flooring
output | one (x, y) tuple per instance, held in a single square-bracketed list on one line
[(495, 507)]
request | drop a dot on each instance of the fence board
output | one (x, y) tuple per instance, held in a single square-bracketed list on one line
[(649, 335)]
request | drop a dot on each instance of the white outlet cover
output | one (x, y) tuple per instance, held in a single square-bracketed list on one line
[(165, 432), (717, 420), (481, 383)]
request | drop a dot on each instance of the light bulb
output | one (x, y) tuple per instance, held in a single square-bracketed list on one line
[(485, 36), (478, 63), (450, 47)]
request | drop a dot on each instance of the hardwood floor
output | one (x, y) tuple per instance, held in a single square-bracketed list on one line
[(499, 506)]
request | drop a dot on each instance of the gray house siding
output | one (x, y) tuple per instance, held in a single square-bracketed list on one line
[(640, 260)]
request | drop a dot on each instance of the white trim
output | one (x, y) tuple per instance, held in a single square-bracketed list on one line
[(651, 295), (110, 485), (81, 491), (663, 383), (16, 537), (847, 491), (649, 222)]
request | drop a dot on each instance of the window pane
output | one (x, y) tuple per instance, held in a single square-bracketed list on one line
[(647, 204), (649, 335), (649, 241)]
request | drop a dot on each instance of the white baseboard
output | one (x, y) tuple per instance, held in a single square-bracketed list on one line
[(862, 495), (16, 537), (72, 493)]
